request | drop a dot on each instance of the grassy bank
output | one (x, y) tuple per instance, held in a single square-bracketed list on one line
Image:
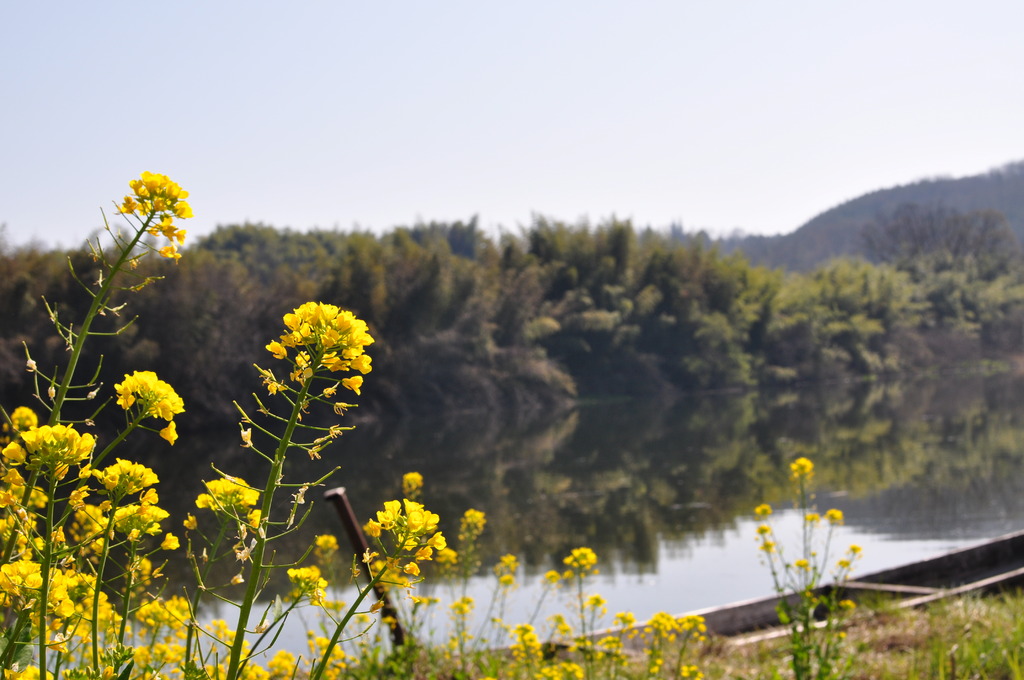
[(969, 637)]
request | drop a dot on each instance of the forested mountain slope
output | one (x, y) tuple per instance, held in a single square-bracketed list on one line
[(838, 231)]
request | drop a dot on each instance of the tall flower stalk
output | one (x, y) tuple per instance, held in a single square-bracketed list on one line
[(813, 614), (321, 345), (44, 574)]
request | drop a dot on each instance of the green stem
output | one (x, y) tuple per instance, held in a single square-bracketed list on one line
[(44, 573), (128, 585), (198, 596), (116, 440), (97, 590), (256, 571), (99, 301), (321, 665)]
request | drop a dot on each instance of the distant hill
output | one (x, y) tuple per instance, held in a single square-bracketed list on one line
[(837, 231)]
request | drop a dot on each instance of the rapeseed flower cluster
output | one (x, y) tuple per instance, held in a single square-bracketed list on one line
[(230, 495), (413, 529), (323, 336), (801, 470), (125, 477), (412, 485), (23, 418), (51, 449), (665, 633), (150, 397), (581, 562), (506, 569), (815, 647), (158, 201), (307, 582)]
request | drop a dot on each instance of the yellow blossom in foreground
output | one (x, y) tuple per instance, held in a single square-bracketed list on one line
[(419, 520), (229, 494), (125, 477), (53, 448), (801, 469), (324, 336), (834, 516), (135, 520), (325, 544), (153, 397), (308, 581), (471, 525), (438, 542), (158, 201), (581, 562), (170, 433)]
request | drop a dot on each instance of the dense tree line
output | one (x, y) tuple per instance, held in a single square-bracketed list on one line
[(523, 321)]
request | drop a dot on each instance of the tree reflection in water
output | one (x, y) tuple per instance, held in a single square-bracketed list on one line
[(936, 458)]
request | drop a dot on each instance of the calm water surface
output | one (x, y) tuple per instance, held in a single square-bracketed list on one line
[(664, 492)]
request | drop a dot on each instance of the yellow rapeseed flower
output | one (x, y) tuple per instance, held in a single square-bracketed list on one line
[(229, 494), (125, 477), (834, 516), (412, 483), (23, 418), (471, 525), (52, 448), (158, 201), (801, 469), (153, 398), (308, 581), (323, 333), (325, 545), (137, 519), (581, 561)]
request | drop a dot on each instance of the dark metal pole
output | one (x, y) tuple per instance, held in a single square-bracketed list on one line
[(357, 539)]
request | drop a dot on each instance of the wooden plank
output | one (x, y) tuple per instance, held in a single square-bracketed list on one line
[(893, 588)]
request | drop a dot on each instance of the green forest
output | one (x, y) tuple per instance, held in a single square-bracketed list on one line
[(537, 319)]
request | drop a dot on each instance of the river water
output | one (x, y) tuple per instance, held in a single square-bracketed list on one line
[(664, 491)]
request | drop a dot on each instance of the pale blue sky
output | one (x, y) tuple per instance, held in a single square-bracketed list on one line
[(718, 114)]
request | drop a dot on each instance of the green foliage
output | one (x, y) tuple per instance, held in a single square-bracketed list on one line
[(525, 321)]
